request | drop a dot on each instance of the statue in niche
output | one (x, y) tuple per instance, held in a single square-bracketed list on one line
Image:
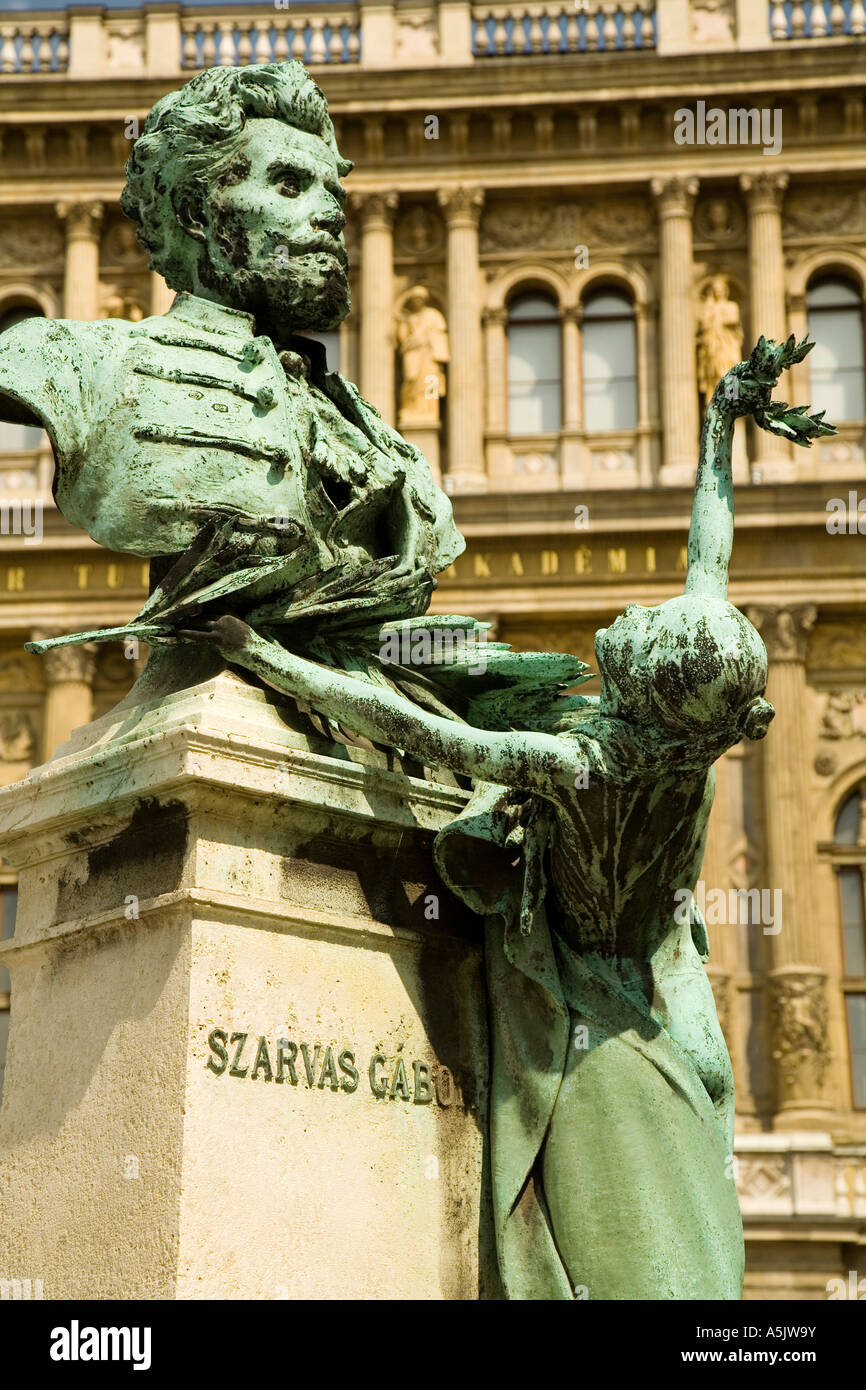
[(612, 1091), (720, 334), (423, 341)]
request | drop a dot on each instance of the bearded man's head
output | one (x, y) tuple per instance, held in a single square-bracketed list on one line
[(234, 185)]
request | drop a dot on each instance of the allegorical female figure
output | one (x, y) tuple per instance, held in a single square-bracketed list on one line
[(612, 1093)]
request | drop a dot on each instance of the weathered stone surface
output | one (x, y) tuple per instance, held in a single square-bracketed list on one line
[(195, 864)]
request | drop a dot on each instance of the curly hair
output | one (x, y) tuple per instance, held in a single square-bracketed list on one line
[(191, 138)]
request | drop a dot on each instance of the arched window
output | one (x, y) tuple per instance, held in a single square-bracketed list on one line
[(849, 854), (534, 372), (15, 438), (609, 363), (836, 362)]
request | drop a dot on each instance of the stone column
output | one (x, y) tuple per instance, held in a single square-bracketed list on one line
[(466, 463), (574, 456), (798, 984), (496, 358), (679, 394), (161, 295), (81, 280), (377, 301), (572, 368), (69, 697), (764, 194)]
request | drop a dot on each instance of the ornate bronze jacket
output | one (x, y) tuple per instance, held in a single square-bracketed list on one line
[(158, 424)]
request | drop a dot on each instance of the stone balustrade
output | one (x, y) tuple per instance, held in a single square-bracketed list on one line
[(555, 27), (33, 44), (321, 34), (166, 40), (817, 19)]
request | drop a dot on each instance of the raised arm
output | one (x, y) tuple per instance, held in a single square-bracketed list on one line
[(744, 390), (533, 762)]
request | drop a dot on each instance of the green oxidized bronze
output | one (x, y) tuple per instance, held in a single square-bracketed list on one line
[(221, 411), (612, 1092), (296, 533)]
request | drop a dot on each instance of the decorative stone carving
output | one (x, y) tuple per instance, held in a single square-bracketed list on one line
[(125, 47), (844, 715), (764, 1179), (616, 221), (764, 192), (810, 213), (17, 737), (461, 205), (69, 664), (799, 1018), (720, 334), (419, 232), (837, 646), (417, 38), (548, 225), (784, 630), (20, 672), (120, 247), (712, 24), (29, 241), (719, 220), (82, 220)]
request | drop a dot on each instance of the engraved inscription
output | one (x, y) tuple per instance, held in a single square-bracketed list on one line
[(330, 1068)]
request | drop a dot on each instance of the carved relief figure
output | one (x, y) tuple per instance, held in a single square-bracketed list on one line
[(423, 341)]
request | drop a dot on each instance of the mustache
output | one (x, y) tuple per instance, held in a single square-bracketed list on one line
[(316, 242)]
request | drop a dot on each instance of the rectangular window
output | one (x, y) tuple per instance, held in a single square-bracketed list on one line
[(856, 1005), (609, 381), (853, 932)]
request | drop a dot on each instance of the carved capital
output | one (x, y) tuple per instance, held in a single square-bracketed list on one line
[(675, 197), (377, 210), (495, 318), (764, 192), (83, 220), (461, 206), (63, 664), (800, 1040), (785, 631)]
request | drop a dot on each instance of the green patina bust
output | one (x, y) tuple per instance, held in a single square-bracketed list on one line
[(298, 537), (221, 408)]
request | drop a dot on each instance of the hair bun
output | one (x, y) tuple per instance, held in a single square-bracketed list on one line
[(756, 719)]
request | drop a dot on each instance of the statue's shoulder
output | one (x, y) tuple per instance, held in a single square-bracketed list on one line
[(48, 374)]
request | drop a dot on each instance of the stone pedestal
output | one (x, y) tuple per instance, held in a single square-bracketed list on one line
[(248, 1052)]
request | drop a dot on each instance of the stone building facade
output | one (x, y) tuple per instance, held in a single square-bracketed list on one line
[(564, 219)]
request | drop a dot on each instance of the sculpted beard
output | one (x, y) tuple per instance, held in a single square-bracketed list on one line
[(291, 286)]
